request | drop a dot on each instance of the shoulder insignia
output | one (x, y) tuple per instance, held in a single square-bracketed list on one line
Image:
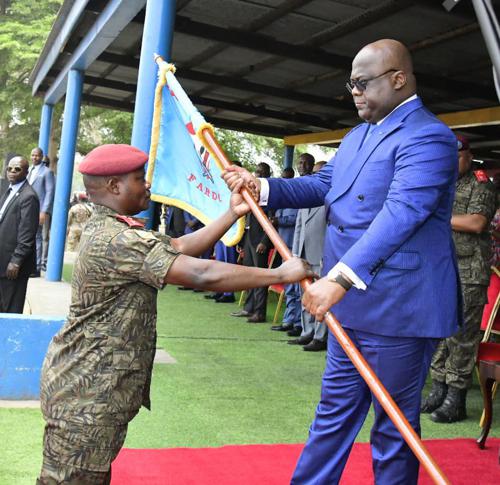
[(130, 221), (481, 176)]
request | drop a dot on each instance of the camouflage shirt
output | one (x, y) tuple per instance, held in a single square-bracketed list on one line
[(79, 214), (474, 250), (98, 366)]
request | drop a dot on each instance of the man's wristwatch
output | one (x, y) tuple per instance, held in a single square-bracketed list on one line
[(342, 281)]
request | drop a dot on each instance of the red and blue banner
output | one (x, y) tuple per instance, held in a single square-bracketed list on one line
[(181, 169)]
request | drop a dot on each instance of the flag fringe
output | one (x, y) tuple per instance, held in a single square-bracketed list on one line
[(164, 69)]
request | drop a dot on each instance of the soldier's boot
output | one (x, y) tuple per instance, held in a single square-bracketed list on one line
[(453, 407), (435, 397)]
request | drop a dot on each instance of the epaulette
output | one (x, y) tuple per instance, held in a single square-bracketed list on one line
[(481, 176), (130, 221)]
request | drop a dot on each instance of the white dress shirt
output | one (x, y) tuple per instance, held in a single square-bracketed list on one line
[(33, 173), (14, 189)]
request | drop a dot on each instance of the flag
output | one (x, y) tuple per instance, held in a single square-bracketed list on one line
[(181, 169)]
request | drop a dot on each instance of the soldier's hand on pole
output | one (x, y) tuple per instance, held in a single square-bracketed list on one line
[(295, 269), (233, 174), (238, 205)]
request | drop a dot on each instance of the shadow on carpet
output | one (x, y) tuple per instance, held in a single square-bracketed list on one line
[(460, 459)]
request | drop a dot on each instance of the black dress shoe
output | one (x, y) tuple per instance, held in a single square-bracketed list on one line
[(213, 296), (282, 328), (184, 288), (294, 332), (256, 319), (240, 313), (303, 340), (225, 299), (315, 346)]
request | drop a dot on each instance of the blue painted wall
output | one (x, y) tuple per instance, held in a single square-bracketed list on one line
[(23, 343)]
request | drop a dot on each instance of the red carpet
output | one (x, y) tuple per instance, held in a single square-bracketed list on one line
[(460, 459)]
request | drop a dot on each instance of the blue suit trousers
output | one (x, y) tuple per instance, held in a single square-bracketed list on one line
[(346, 399)]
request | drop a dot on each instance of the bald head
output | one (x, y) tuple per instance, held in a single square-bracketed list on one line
[(387, 54), (17, 170), (382, 76), (21, 161)]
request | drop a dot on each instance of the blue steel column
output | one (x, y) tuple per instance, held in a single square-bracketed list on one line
[(156, 38), (45, 127), (64, 175), (289, 149)]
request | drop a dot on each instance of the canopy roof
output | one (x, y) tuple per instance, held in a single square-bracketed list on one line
[(277, 67)]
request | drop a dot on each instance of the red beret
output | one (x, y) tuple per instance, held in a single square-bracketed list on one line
[(113, 160), (462, 142)]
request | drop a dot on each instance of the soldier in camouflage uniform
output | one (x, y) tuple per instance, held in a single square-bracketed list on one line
[(454, 359), (77, 217), (97, 371)]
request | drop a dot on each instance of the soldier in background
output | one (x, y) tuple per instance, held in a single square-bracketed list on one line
[(454, 359), (97, 371), (78, 215)]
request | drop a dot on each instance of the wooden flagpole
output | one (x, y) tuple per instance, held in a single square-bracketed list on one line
[(378, 389)]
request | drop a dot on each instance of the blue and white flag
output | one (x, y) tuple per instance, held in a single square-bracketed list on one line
[(181, 170)]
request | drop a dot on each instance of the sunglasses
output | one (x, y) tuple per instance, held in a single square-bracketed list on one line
[(14, 169), (362, 84)]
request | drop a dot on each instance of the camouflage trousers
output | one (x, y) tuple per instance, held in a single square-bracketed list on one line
[(455, 357), (79, 455)]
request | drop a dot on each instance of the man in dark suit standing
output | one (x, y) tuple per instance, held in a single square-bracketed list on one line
[(41, 178), (19, 214), (389, 266), (256, 247)]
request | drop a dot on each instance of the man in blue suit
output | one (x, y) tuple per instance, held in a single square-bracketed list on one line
[(41, 178), (389, 266)]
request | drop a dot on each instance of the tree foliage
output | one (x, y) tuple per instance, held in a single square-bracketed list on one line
[(251, 149), (24, 27)]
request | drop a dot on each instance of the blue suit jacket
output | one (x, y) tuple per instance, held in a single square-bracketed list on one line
[(388, 203), (286, 224), (44, 185)]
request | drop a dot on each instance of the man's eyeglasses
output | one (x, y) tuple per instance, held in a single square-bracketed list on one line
[(362, 84), (14, 169)]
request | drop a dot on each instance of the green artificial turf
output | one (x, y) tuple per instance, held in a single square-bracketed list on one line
[(67, 272), (233, 383)]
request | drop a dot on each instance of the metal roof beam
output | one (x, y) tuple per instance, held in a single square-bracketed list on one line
[(264, 89), (248, 127), (260, 111), (103, 102), (269, 45), (459, 119), (110, 83), (66, 21), (236, 83), (260, 42), (263, 112), (108, 25)]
